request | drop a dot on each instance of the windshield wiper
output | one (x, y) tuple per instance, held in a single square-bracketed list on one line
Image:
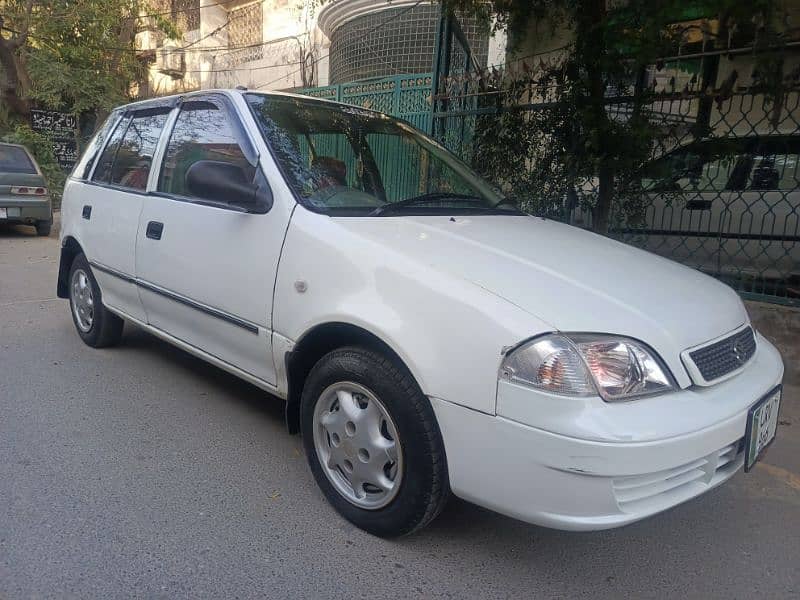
[(422, 199)]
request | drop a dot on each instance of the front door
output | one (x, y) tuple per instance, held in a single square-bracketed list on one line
[(205, 266)]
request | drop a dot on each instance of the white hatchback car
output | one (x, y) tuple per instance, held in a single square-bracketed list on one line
[(427, 336)]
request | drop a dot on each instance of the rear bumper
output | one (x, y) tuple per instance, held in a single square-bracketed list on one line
[(572, 483), (26, 210)]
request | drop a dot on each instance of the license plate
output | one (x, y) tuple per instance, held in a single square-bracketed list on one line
[(762, 422), (3, 213)]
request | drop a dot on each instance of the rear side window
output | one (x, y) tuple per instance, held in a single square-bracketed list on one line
[(14, 159), (134, 156), (202, 132), (102, 172)]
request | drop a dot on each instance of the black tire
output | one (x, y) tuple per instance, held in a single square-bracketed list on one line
[(43, 228), (424, 487), (106, 327)]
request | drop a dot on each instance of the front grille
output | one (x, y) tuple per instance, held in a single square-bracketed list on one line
[(720, 358), (640, 493)]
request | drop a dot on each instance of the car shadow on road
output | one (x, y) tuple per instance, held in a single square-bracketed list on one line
[(13, 231), (214, 378)]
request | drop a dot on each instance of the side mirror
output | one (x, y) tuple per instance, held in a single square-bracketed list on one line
[(228, 183)]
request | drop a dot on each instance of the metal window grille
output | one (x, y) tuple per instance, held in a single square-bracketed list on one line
[(366, 47), (186, 14), (246, 28)]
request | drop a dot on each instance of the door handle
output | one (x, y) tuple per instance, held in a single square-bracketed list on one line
[(86, 213), (154, 230)]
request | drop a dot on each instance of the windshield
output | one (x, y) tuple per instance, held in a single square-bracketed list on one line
[(347, 161)]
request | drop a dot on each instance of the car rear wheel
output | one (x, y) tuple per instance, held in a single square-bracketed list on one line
[(43, 228), (373, 443), (96, 325)]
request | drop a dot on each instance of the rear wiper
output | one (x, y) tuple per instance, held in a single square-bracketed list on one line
[(421, 199)]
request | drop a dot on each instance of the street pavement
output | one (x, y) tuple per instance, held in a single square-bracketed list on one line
[(140, 471)]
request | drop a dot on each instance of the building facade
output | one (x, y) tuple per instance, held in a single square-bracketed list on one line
[(290, 44)]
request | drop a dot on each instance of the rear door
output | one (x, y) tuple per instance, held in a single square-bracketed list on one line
[(206, 267), (111, 203)]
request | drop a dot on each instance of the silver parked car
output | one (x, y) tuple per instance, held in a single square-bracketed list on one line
[(24, 197)]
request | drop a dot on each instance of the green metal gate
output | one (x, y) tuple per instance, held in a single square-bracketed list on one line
[(407, 97)]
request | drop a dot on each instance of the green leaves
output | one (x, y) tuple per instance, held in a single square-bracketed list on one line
[(80, 55)]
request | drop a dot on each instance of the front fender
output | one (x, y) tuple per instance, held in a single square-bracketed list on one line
[(449, 332)]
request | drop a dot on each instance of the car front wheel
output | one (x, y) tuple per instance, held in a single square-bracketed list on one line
[(373, 443)]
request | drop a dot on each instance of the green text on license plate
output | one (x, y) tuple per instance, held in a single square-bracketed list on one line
[(762, 422)]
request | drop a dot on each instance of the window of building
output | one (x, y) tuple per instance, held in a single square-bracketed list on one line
[(245, 34)]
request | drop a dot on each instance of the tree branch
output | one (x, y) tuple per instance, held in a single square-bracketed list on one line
[(22, 36)]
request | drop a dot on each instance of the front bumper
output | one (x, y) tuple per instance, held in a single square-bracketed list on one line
[(29, 210), (595, 481)]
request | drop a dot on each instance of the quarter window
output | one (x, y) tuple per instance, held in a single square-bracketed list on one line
[(134, 156), (202, 132)]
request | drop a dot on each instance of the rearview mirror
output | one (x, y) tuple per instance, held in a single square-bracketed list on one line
[(225, 182)]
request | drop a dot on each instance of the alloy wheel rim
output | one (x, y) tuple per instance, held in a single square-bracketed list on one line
[(357, 445), (82, 300)]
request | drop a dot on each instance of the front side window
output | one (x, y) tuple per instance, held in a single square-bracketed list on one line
[(347, 161), (202, 132), (134, 156)]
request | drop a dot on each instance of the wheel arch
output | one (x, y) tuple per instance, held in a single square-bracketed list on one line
[(70, 248), (316, 343)]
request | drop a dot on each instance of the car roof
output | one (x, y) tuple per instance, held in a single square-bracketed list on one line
[(240, 91)]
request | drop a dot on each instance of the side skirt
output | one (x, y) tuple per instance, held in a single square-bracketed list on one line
[(225, 366)]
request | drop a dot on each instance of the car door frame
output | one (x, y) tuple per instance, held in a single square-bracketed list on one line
[(117, 280)]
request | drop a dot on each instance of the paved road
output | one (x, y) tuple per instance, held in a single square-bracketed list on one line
[(141, 471)]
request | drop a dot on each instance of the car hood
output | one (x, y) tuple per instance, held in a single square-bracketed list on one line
[(572, 279)]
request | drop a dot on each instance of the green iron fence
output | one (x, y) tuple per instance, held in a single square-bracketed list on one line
[(403, 96)]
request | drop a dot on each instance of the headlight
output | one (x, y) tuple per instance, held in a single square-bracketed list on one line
[(616, 368)]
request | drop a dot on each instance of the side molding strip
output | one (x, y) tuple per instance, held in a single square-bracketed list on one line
[(214, 312)]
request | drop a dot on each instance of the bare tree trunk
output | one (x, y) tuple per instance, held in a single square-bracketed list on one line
[(10, 90), (16, 81)]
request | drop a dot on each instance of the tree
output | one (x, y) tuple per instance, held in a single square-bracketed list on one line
[(75, 56), (577, 134)]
